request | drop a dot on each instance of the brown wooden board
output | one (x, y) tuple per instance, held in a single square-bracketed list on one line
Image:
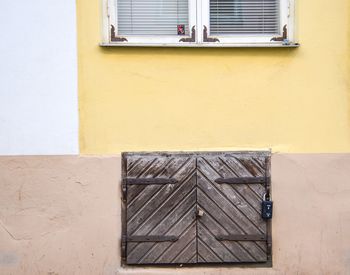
[(231, 209), (176, 211), (162, 210)]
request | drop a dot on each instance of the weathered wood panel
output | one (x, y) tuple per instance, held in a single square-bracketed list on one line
[(160, 205), (230, 190), (195, 208)]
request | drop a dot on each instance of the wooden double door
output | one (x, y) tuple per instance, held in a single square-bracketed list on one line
[(189, 208)]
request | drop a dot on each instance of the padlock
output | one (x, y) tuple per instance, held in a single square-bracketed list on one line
[(266, 208)]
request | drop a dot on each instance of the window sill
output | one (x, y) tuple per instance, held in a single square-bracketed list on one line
[(203, 45)]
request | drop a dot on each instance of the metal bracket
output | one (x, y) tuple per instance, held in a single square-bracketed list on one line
[(123, 247), (241, 237), (124, 190), (242, 180), (152, 239), (116, 38), (149, 181), (192, 38), (283, 37), (206, 38)]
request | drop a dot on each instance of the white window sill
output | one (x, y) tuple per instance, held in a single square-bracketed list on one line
[(203, 45)]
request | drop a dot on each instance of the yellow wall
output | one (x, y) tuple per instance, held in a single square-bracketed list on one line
[(292, 100)]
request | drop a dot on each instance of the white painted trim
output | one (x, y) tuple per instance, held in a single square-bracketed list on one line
[(199, 16), (204, 45), (109, 16)]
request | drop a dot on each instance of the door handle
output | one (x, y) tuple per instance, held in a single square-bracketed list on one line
[(199, 212)]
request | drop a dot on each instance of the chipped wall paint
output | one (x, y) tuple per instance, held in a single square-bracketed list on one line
[(61, 215), (38, 72), (290, 100)]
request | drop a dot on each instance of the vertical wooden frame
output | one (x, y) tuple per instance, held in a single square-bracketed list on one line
[(123, 208), (269, 222)]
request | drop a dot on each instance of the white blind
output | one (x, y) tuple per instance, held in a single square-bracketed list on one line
[(151, 17), (244, 17)]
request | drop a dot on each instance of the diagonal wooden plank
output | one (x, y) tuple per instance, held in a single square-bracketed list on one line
[(241, 171), (170, 255), (216, 227), (145, 252), (239, 252), (193, 259), (220, 250), (241, 188), (200, 258), (131, 162), (249, 166), (238, 205), (153, 191), (187, 253), (211, 166), (229, 206), (212, 209), (172, 218), (152, 215), (253, 249), (167, 170), (153, 171), (206, 254), (157, 249)]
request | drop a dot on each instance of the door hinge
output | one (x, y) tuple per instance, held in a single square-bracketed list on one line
[(123, 247), (124, 190)]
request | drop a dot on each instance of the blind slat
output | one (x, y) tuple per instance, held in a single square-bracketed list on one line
[(147, 17), (244, 16)]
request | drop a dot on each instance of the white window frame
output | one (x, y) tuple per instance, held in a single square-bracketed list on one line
[(198, 18)]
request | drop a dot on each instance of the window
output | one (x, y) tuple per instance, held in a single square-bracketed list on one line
[(203, 23), (196, 208)]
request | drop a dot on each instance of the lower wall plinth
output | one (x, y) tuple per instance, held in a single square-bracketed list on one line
[(61, 215)]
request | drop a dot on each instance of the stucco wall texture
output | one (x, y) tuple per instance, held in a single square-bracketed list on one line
[(61, 215), (290, 100)]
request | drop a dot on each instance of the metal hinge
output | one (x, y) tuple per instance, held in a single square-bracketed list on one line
[(242, 180), (150, 181), (154, 238), (124, 190), (123, 247)]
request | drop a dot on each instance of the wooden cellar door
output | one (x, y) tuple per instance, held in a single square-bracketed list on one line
[(230, 189), (160, 205), (187, 208)]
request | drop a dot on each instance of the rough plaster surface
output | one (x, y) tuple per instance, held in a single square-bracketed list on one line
[(290, 100), (61, 215)]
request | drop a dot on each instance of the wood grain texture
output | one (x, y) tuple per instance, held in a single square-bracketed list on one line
[(166, 190), (160, 205), (231, 210)]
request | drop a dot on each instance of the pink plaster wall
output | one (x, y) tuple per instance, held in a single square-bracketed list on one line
[(61, 215)]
